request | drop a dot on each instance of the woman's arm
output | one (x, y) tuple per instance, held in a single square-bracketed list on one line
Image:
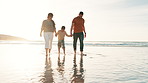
[(56, 33), (54, 26), (42, 28)]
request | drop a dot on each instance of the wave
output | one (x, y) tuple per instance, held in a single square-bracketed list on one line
[(87, 43), (119, 44)]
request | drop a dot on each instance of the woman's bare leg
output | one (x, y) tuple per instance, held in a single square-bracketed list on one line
[(47, 49)]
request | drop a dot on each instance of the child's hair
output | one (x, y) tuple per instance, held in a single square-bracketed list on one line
[(63, 27)]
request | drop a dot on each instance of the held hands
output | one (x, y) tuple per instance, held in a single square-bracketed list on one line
[(70, 34), (56, 35)]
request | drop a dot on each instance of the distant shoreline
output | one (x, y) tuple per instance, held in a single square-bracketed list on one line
[(11, 38), (4, 37)]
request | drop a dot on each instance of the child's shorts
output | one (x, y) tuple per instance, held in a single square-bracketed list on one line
[(61, 43)]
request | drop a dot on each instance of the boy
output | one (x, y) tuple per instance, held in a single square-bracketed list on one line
[(61, 34)]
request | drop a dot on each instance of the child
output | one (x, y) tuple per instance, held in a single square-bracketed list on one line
[(61, 34)]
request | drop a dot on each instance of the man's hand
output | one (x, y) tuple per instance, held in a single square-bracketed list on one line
[(85, 34), (70, 35)]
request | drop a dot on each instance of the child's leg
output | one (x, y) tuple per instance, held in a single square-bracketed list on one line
[(63, 46), (59, 46)]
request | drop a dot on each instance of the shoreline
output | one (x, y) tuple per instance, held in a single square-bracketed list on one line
[(96, 44)]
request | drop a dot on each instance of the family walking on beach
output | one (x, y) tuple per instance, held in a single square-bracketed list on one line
[(77, 31)]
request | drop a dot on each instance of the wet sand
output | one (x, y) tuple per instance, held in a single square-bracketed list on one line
[(27, 63)]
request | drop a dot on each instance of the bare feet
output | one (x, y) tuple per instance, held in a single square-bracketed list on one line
[(83, 54)]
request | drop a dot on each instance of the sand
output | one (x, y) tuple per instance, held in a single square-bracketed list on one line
[(27, 63)]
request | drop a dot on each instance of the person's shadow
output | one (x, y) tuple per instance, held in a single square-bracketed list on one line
[(48, 75), (78, 73)]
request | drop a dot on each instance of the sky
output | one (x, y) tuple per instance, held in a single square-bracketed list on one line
[(105, 20)]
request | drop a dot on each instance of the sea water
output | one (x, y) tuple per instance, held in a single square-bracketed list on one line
[(106, 62)]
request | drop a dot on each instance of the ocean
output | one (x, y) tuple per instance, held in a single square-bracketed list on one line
[(105, 62), (89, 43)]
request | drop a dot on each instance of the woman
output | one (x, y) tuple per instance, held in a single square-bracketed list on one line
[(48, 26)]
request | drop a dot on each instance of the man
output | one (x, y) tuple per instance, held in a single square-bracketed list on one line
[(78, 29)]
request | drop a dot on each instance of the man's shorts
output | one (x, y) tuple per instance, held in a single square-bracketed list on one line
[(61, 43)]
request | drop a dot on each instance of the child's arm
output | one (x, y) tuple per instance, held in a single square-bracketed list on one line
[(67, 34)]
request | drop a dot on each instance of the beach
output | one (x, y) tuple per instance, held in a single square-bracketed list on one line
[(25, 62)]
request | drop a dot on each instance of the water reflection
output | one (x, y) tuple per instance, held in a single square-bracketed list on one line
[(48, 75), (78, 72), (61, 69), (61, 65)]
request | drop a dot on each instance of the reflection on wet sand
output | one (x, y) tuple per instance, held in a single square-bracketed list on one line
[(61, 69), (48, 75), (61, 65), (78, 73)]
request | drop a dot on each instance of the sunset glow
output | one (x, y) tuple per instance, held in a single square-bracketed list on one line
[(104, 20)]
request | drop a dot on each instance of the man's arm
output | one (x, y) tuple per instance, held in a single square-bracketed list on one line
[(84, 30)]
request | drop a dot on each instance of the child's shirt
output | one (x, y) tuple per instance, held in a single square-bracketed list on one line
[(61, 34)]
